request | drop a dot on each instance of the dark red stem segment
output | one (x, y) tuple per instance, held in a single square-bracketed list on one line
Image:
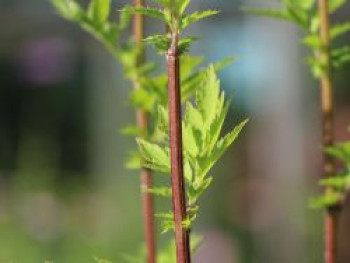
[(177, 179), (145, 174), (332, 213)]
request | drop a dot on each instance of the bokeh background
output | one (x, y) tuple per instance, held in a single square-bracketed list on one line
[(64, 192)]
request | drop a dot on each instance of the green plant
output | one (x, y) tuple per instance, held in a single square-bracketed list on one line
[(340, 182), (313, 17), (203, 122), (188, 163)]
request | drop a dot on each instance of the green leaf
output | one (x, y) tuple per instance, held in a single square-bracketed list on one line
[(325, 201), (143, 99), (133, 161), (207, 97), (151, 12), (312, 40), (68, 9), (185, 43), (99, 10), (339, 30), (160, 191), (340, 151), (277, 14), (182, 6), (336, 4), (188, 20), (154, 156), (160, 42), (220, 148)]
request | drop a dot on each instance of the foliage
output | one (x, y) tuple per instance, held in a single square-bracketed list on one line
[(203, 121), (203, 146), (340, 183), (304, 14)]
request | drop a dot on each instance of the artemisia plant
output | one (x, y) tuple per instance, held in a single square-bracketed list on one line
[(313, 17)]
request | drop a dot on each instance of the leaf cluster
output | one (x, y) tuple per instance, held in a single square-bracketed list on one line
[(202, 144), (339, 183), (304, 14), (173, 14)]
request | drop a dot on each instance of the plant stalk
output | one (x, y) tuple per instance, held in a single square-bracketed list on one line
[(332, 213), (177, 179), (145, 174)]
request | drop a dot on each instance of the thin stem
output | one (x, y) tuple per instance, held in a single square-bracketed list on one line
[(332, 213), (145, 174), (177, 179)]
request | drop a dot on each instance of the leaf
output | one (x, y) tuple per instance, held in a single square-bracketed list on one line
[(132, 130), (155, 157), (160, 191), (325, 201), (188, 20), (220, 148), (99, 10), (125, 17), (185, 43), (278, 14), (151, 12), (312, 40), (68, 9), (207, 97), (160, 42), (339, 30), (340, 151), (189, 140), (143, 99), (340, 56), (133, 161), (334, 5), (182, 6)]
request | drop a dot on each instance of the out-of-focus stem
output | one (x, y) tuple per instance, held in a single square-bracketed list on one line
[(332, 213), (145, 174)]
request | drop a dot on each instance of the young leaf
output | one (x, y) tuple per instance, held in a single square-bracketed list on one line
[(99, 10), (188, 20), (154, 156)]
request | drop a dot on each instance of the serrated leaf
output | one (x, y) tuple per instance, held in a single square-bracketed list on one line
[(160, 191), (68, 9), (151, 12), (188, 20), (185, 43), (220, 148), (154, 156), (207, 97), (160, 42)]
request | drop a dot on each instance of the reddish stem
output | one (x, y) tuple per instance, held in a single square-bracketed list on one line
[(177, 178), (145, 174), (332, 213)]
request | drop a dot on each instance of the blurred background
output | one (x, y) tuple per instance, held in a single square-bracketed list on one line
[(64, 192)]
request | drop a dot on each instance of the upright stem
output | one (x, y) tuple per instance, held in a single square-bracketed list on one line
[(145, 174), (177, 179), (332, 213)]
